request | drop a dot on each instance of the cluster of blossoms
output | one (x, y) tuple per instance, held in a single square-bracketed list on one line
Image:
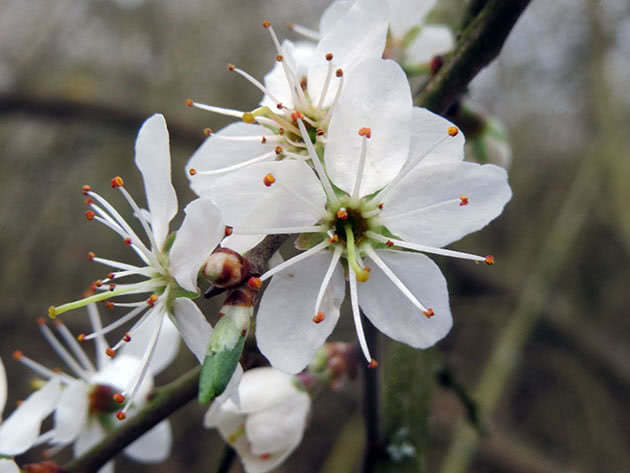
[(335, 155)]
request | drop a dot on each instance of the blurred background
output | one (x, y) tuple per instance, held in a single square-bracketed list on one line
[(540, 338)]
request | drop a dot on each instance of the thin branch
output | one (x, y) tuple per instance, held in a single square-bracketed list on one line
[(478, 45), (371, 404)]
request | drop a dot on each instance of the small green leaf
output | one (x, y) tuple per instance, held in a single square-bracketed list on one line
[(217, 371)]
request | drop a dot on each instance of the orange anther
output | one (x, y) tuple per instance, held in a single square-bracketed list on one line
[(268, 180), (266, 24), (231, 67), (263, 140), (254, 283), (90, 214), (372, 364), (126, 338), (339, 73), (152, 300), (112, 286), (265, 456), (319, 317), (319, 132), (228, 230), (85, 189), (119, 398), (207, 132), (334, 238), (192, 171), (295, 115), (17, 355), (189, 102), (389, 243), (279, 150), (88, 201), (98, 283), (243, 332), (367, 132), (120, 415), (109, 305), (127, 241), (279, 106), (453, 131), (41, 321), (91, 255), (81, 337), (329, 57), (281, 131), (489, 259), (279, 58), (117, 182), (380, 206), (463, 200), (428, 313), (342, 214), (109, 352), (110, 276)]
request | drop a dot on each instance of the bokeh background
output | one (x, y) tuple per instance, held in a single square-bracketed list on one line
[(78, 77)]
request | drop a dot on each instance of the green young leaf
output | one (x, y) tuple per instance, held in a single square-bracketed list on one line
[(217, 371)]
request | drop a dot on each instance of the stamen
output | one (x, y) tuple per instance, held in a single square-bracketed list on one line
[(366, 133), (97, 326), (362, 274), (319, 317), (228, 231), (254, 283), (354, 302), (277, 230), (489, 260), (117, 182), (414, 212), (220, 110), (394, 279), (339, 75), (325, 282), (319, 168), (463, 200), (39, 368), (60, 349), (140, 215), (99, 332), (74, 346), (373, 364), (452, 131), (234, 167), (329, 74), (342, 214), (268, 180), (253, 81), (263, 139), (296, 259), (306, 32)]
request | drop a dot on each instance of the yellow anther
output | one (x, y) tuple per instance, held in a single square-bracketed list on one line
[(248, 117), (453, 131), (52, 312)]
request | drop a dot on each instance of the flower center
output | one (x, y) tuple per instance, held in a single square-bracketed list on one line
[(102, 401)]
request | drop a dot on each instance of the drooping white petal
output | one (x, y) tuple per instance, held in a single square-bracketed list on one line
[(3, 388), (360, 34), (262, 388), (430, 142), (154, 446), (285, 331), (20, 430), (435, 217), (198, 236), (92, 434), (71, 412), (404, 15), (167, 344), (279, 427), (121, 372), (217, 153), (8, 466), (193, 326), (332, 14), (393, 313), (431, 41), (153, 158), (292, 200), (377, 96)]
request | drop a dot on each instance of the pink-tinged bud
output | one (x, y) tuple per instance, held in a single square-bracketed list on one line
[(225, 268)]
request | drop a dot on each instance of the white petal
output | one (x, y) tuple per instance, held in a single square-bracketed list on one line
[(262, 388), (167, 344), (8, 466), (431, 141), (332, 14), (3, 388), (122, 371), (90, 436), (217, 153), (71, 412), (198, 236), (377, 96), (154, 446), (392, 313), (431, 41), (280, 427), (285, 331), (404, 15), (432, 193), (153, 158), (20, 430), (192, 326), (241, 243), (245, 200), (360, 34)]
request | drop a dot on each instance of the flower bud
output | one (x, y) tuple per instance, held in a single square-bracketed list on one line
[(225, 268)]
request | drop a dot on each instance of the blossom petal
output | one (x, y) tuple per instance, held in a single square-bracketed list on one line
[(430, 141), (393, 314), (193, 326), (241, 243), (378, 97), (3, 388), (71, 412), (435, 217), (285, 331), (198, 236), (230, 397), (262, 388), (279, 427), (431, 41), (245, 200), (8, 466), (360, 34), (332, 14), (21, 429), (404, 15), (167, 344), (90, 436), (122, 371), (153, 158), (217, 153), (154, 446)]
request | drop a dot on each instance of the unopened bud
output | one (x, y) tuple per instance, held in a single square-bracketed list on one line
[(225, 268)]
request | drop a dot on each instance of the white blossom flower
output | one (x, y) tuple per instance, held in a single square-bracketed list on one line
[(269, 422), (305, 84), (169, 267), (393, 186), (85, 403)]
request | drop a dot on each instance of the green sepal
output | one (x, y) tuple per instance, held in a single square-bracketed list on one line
[(217, 370), (180, 292)]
